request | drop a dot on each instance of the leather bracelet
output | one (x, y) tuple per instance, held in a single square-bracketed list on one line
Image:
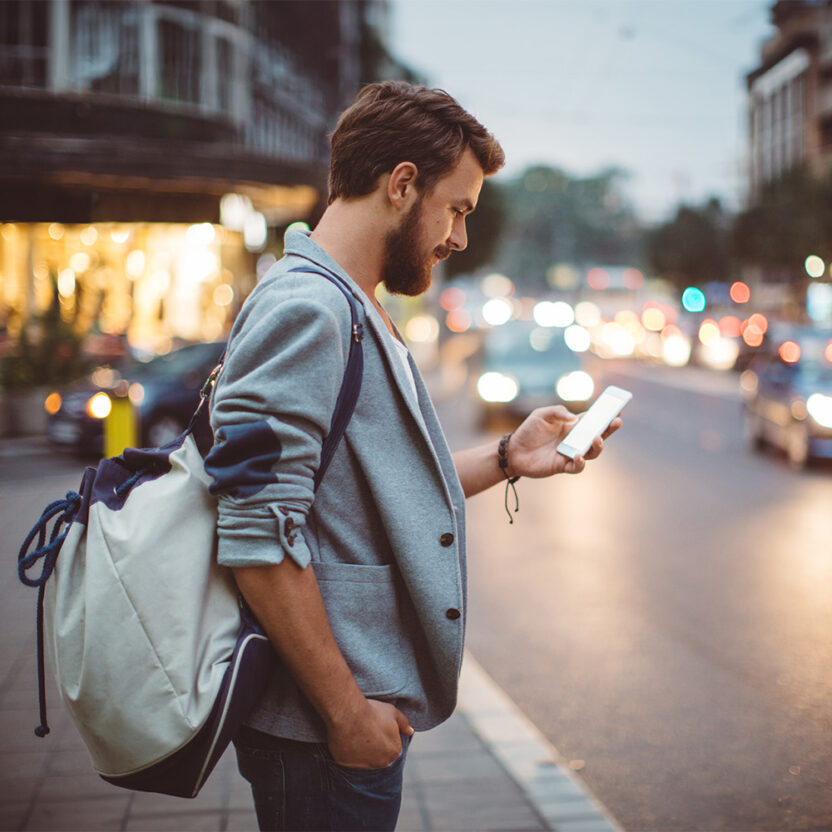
[(502, 461)]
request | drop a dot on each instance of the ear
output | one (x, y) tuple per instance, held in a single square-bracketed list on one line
[(401, 186)]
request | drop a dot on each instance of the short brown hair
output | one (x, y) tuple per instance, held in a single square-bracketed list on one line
[(393, 122)]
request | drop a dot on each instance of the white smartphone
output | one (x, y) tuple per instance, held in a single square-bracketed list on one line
[(594, 422)]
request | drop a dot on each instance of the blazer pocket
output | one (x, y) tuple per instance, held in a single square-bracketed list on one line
[(363, 610)]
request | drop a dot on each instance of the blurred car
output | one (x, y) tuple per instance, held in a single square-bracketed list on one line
[(524, 366), (164, 392), (788, 405)]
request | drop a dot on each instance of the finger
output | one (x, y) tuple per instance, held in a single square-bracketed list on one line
[(557, 413), (576, 465), (597, 447), (614, 425), (404, 724)]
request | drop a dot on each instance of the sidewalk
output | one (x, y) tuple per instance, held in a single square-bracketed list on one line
[(457, 776)]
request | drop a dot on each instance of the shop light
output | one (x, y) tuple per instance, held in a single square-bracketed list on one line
[(223, 295), (135, 263), (89, 235), (66, 283), (235, 210), (256, 231), (201, 234)]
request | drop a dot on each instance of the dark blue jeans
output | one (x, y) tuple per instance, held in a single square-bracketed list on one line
[(298, 786)]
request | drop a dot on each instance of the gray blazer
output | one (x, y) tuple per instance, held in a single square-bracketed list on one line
[(385, 532)]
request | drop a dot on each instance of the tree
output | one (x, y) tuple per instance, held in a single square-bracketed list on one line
[(553, 218), (789, 221), (484, 228), (693, 247)]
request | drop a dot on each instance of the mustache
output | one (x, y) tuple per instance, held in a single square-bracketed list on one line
[(443, 252)]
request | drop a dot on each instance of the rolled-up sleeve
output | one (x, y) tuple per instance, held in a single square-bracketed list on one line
[(270, 411)]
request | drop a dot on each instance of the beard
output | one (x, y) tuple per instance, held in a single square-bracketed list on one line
[(406, 270)]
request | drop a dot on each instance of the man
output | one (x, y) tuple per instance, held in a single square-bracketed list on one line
[(360, 585)]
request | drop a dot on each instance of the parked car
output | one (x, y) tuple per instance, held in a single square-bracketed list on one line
[(164, 392), (788, 405), (524, 366)]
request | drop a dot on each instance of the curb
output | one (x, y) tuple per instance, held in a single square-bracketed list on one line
[(561, 799)]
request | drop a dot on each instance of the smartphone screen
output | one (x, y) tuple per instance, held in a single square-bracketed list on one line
[(594, 422)]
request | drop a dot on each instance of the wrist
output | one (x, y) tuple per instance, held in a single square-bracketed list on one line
[(504, 458), (346, 712)]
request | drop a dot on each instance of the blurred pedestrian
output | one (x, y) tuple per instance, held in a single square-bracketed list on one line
[(360, 585)]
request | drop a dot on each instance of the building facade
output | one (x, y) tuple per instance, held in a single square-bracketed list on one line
[(790, 94), (149, 151)]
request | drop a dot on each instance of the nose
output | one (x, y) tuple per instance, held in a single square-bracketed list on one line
[(459, 235)]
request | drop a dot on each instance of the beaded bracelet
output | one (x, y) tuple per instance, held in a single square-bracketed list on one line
[(502, 461)]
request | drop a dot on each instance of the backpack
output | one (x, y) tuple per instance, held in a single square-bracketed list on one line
[(155, 655)]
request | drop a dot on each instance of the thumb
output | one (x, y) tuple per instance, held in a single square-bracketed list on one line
[(404, 724)]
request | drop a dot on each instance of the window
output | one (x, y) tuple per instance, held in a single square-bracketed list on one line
[(179, 59), (24, 35)]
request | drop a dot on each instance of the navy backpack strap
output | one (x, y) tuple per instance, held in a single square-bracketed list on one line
[(353, 374)]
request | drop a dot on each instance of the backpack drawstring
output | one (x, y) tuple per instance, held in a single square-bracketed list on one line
[(67, 509)]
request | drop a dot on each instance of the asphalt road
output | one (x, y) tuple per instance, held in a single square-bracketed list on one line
[(665, 617)]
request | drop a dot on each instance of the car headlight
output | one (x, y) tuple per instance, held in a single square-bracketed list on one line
[(820, 409), (576, 386), (496, 387), (99, 406)]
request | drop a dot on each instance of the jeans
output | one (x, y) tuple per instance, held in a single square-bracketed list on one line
[(298, 786)]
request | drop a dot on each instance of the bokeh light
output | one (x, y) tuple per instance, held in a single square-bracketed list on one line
[(814, 265), (790, 352), (458, 321), (633, 279), (577, 338), (452, 298), (497, 311), (496, 387), (422, 329), (739, 292), (693, 299), (708, 331), (597, 279), (559, 313), (730, 326), (587, 314), (653, 319), (497, 286)]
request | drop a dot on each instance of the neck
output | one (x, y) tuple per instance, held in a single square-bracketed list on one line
[(350, 232)]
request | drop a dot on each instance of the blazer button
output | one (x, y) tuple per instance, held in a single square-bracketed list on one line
[(453, 613), (447, 539)]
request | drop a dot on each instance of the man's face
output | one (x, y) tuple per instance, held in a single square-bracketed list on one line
[(432, 228)]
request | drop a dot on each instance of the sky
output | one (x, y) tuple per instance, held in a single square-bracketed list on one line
[(656, 87)]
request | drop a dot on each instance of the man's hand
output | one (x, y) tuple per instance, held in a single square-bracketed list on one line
[(532, 450), (371, 738)]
